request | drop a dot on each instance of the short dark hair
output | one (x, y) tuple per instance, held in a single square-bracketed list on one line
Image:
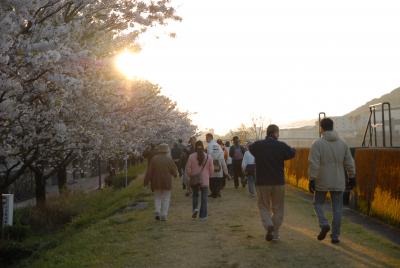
[(271, 129), (180, 140), (326, 124), (210, 135), (235, 138)]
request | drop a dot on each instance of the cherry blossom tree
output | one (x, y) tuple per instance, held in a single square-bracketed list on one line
[(57, 102)]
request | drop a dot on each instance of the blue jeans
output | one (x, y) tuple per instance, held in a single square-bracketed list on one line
[(337, 206), (203, 203), (251, 180)]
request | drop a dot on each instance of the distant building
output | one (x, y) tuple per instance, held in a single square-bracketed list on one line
[(299, 137), (350, 128)]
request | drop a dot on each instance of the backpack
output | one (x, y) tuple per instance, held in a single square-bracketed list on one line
[(217, 165)]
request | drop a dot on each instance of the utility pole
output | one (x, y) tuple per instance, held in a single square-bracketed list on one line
[(99, 171), (126, 171)]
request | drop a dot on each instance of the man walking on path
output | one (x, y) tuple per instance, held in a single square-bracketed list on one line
[(328, 160), (220, 168), (176, 154), (189, 149), (237, 151), (270, 155)]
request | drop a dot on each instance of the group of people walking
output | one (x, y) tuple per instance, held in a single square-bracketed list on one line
[(260, 166)]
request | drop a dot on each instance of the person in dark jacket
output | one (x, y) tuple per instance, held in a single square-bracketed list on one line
[(270, 155), (236, 151), (176, 153), (188, 150)]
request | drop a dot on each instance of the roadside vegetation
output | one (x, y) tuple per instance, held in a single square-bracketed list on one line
[(39, 229)]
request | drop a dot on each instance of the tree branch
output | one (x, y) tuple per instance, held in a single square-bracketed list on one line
[(35, 78), (52, 13)]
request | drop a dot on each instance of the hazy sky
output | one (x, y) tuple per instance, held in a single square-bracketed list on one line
[(284, 60)]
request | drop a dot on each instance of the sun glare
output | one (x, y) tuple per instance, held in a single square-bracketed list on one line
[(127, 63), (131, 65)]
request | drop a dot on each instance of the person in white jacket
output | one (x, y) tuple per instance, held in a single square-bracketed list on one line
[(229, 159), (220, 168), (249, 169), (328, 160)]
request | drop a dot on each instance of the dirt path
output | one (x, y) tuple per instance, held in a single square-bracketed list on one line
[(233, 237)]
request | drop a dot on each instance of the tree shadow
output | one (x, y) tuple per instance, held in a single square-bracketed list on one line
[(346, 249)]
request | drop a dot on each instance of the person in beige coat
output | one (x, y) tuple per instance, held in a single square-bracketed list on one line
[(329, 159), (159, 175)]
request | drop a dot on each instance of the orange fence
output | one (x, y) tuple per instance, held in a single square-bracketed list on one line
[(378, 180), (296, 169)]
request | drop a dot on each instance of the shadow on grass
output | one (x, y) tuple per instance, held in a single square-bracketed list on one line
[(347, 250)]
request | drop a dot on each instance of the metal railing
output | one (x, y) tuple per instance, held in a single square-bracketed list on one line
[(319, 122), (372, 125)]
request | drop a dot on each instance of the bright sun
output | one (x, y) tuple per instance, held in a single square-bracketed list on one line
[(127, 63)]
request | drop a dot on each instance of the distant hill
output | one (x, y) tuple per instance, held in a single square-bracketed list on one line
[(392, 97), (299, 124)]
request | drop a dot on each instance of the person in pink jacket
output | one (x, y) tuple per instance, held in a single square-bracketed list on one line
[(198, 162)]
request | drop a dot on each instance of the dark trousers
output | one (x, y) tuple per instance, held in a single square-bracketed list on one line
[(223, 182), (230, 169), (178, 164), (216, 186), (238, 173)]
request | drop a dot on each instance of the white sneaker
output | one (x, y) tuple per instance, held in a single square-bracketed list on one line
[(194, 214), (276, 237)]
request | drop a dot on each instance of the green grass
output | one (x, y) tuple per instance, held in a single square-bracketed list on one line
[(119, 180), (96, 216), (349, 231)]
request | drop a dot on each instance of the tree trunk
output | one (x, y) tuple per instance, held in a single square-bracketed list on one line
[(40, 189), (62, 179)]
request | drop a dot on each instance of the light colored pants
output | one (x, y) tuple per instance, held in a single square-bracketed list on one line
[(161, 203), (337, 206), (270, 200)]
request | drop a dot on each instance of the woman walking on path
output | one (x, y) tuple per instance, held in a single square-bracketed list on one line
[(249, 169), (159, 175), (200, 163)]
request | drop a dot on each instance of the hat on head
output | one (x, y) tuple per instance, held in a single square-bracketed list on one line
[(163, 148)]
